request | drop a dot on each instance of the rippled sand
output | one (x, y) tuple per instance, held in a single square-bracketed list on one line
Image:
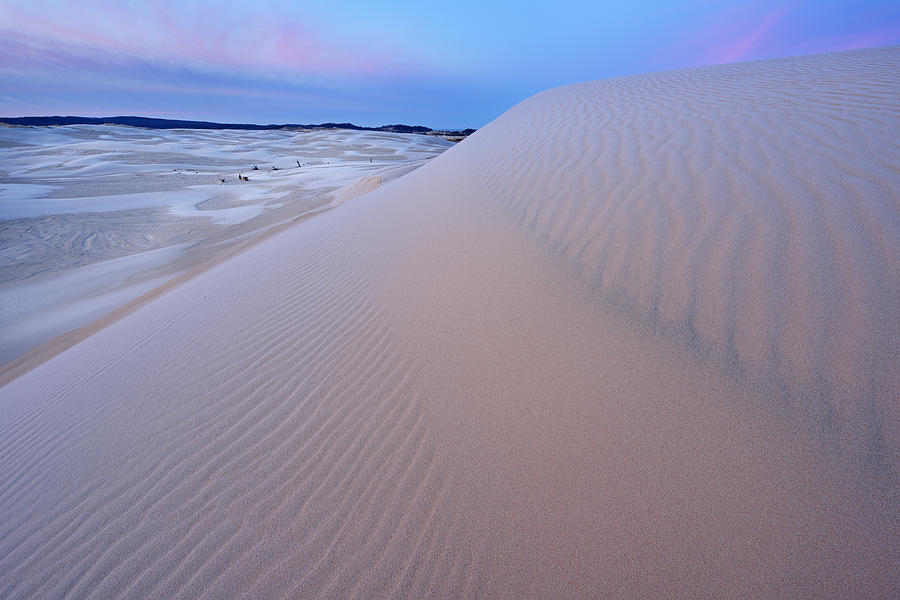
[(635, 338)]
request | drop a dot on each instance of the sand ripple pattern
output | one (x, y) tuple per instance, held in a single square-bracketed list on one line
[(277, 448), (635, 338), (752, 210)]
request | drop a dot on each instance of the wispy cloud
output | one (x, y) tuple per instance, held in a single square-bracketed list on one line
[(213, 36), (750, 36)]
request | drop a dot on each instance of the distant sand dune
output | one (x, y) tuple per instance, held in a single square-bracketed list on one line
[(93, 216), (635, 338)]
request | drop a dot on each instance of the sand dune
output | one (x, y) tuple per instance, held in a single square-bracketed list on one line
[(635, 338), (754, 214)]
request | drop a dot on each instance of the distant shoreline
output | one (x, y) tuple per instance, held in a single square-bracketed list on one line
[(154, 123)]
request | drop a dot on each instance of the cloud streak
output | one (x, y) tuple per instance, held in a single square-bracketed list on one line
[(748, 41), (202, 36)]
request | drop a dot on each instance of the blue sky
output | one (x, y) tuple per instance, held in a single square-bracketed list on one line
[(441, 64)]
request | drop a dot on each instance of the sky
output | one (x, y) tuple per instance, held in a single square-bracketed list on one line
[(448, 64)]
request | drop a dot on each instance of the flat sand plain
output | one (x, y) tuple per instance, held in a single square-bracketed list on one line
[(92, 217), (635, 338)]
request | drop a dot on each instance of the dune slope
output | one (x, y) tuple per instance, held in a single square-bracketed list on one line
[(751, 210), (635, 338)]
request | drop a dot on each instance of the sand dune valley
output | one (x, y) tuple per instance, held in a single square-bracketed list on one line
[(635, 338)]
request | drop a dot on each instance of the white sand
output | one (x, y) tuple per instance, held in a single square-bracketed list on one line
[(83, 206), (635, 338)]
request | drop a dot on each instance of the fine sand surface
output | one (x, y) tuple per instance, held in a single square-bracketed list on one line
[(635, 338), (93, 216)]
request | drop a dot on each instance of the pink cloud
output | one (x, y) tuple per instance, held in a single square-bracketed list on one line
[(748, 41), (206, 37)]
